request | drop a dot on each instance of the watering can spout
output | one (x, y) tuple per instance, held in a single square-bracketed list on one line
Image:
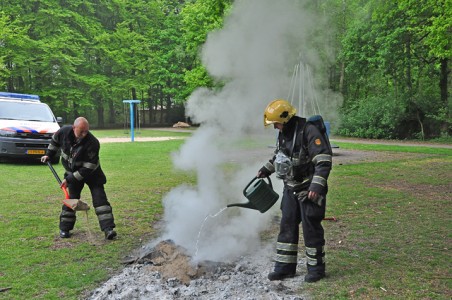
[(244, 205)]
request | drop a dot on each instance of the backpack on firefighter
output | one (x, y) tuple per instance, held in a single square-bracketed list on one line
[(318, 122)]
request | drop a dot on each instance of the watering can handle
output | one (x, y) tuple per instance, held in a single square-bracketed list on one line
[(254, 179), (270, 182)]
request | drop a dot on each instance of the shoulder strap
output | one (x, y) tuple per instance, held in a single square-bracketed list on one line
[(294, 140), (296, 134)]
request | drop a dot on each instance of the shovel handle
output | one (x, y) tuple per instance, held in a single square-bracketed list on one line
[(54, 172), (66, 194)]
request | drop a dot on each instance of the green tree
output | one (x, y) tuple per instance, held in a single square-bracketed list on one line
[(14, 48), (388, 56), (198, 19)]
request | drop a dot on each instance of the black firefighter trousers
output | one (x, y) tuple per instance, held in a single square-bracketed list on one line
[(296, 209), (101, 206)]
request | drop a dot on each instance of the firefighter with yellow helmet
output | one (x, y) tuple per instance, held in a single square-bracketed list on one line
[(303, 160)]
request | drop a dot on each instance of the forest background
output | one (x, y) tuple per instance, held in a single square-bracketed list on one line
[(389, 60)]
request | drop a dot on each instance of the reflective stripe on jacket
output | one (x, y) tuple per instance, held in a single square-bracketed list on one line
[(79, 158)]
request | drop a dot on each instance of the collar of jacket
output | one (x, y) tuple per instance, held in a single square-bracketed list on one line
[(289, 127), (74, 141)]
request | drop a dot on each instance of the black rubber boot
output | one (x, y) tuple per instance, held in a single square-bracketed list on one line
[(315, 261), (315, 273), (110, 233), (65, 234), (279, 276), (314, 276)]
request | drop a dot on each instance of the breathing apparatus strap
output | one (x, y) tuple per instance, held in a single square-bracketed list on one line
[(294, 140)]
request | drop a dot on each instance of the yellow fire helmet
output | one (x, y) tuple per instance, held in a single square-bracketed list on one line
[(278, 111)]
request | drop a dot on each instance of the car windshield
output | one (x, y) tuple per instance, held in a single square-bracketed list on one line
[(27, 111)]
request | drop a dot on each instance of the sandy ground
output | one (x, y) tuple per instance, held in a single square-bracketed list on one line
[(138, 139)]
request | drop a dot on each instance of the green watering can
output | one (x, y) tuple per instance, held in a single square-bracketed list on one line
[(260, 194)]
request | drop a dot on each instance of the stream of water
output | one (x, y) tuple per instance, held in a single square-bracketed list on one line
[(202, 225)]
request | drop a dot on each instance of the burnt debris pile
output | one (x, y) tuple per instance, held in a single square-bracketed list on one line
[(166, 271)]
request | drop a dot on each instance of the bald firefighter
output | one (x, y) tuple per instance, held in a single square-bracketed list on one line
[(80, 158), (303, 160)]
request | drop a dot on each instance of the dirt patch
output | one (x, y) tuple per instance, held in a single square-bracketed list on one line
[(428, 191), (171, 262), (58, 243), (139, 139), (94, 239), (430, 167), (391, 142), (343, 157)]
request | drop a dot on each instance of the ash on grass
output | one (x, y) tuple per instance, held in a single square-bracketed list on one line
[(166, 272)]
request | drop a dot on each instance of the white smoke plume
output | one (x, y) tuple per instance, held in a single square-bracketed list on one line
[(254, 54)]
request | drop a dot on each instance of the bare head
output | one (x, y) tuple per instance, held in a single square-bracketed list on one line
[(80, 127)]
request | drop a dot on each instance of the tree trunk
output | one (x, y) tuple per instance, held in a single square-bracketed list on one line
[(10, 84), (162, 101), (100, 114), (443, 90), (65, 114), (75, 110), (421, 124), (151, 109), (341, 78), (111, 108), (168, 108), (408, 68), (344, 30)]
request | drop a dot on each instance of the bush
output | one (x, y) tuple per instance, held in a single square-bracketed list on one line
[(372, 117)]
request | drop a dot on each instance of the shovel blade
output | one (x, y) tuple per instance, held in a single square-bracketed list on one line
[(76, 204)]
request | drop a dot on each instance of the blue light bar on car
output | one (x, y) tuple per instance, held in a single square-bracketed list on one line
[(16, 96)]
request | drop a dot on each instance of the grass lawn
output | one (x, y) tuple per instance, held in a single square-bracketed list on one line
[(36, 263), (392, 239)]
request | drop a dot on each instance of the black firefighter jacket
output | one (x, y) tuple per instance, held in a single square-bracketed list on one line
[(79, 158), (311, 156)]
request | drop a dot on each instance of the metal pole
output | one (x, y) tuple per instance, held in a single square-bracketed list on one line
[(132, 112), (132, 133)]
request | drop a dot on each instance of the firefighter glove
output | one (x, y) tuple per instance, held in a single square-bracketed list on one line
[(263, 172), (266, 170), (303, 196)]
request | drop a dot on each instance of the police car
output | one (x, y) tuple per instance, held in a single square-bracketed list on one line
[(26, 126)]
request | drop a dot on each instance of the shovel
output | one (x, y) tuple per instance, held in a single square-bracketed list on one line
[(74, 204)]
